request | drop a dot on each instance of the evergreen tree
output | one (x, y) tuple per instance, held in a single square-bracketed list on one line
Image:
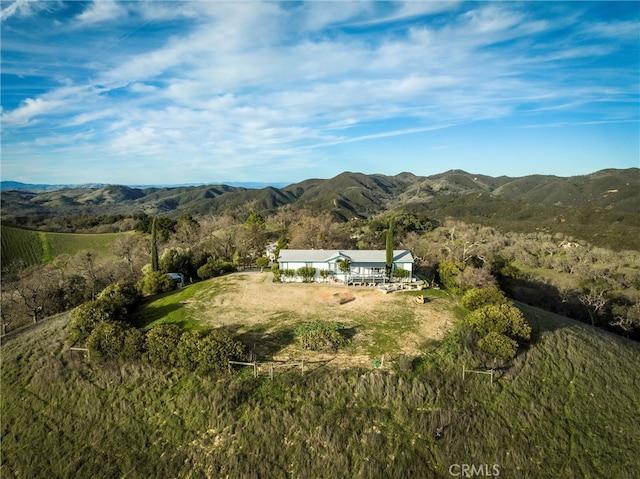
[(390, 247), (154, 247)]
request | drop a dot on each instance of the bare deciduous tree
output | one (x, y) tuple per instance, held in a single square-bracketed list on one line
[(595, 300), (130, 248)]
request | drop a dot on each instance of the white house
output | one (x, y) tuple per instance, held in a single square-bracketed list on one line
[(366, 266)]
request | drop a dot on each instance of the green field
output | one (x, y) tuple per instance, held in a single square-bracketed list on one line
[(36, 247), (20, 245), (71, 243), (567, 407)]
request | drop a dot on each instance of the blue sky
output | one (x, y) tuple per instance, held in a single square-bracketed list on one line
[(169, 92)]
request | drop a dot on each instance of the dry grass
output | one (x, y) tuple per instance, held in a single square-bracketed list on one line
[(567, 407)]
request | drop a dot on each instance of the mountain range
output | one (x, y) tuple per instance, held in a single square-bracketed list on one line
[(41, 187), (608, 197)]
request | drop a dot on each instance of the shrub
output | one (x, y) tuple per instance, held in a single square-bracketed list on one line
[(114, 303), (320, 336), (498, 346), (133, 345), (123, 292), (216, 349), (478, 297), (401, 273), (86, 317), (448, 272), (213, 268), (307, 273), (155, 282), (177, 260), (262, 263), (206, 271), (289, 274), (500, 318), (161, 342), (207, 353), (106, 341), (187, 351), (277, 274)]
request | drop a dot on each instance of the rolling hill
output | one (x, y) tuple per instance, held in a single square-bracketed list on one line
[(583, 205), (29, 248), (566, 407)]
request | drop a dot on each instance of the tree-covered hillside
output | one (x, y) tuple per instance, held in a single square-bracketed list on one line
[(600, 207)]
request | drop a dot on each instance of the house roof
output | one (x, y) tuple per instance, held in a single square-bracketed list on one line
[(354, 255)]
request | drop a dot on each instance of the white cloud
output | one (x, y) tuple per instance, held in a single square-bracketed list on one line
[(252, 82), (320, 15), (91, 116), (627, 30), (23, 8), (402, 11), (28, 112), (101, 11)]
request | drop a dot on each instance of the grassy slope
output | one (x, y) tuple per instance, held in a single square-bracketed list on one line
[(71, 243), (21, 245), (567, 408), (37, 247)]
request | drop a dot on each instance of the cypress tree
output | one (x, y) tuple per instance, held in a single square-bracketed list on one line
[(154, 247), (390, 247)]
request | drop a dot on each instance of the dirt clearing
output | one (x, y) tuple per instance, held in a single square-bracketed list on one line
[(264, 314)]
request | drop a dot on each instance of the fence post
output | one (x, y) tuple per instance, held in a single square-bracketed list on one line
[(463, 372)]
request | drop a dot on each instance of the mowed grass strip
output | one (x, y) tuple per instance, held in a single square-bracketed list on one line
[(184, 306)]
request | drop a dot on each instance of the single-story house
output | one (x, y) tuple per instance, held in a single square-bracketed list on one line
[(365, 266)]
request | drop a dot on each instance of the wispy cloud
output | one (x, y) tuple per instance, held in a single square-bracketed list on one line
[(101, 11), (236, 85), (19, 7)]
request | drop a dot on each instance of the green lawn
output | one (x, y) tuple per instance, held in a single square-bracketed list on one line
[(169, 308)]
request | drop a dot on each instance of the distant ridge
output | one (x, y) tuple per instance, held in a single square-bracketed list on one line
[(601, 207), (33, 187), (36, 187)]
